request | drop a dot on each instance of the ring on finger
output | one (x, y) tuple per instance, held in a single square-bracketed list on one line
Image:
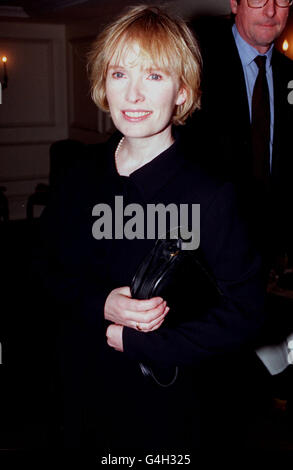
[(138, 327)]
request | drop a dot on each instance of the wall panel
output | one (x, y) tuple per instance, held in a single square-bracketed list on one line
[(33, 113)]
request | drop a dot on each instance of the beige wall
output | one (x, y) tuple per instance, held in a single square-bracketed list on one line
[(33, 113)]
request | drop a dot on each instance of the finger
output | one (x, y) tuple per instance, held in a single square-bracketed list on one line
[(146, 317), (153, 325), (145, 327), (167, 309), (159, 319), (125, 290), (136, 305), (151, 315), (156, 327)]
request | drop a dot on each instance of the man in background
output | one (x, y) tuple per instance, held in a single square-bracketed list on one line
[(246, 122), (250, 148)]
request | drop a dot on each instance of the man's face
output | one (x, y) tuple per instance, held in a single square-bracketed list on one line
[(259, 26)]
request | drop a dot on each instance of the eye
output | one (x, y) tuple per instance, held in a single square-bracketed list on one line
[(117, 75), (155, 76)]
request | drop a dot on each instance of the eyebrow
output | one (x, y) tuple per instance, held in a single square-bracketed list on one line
[(148, 69)]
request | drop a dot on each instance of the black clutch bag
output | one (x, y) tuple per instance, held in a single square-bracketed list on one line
[(178, 276)]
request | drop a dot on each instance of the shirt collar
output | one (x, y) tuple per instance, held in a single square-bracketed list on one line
[(246, 51)]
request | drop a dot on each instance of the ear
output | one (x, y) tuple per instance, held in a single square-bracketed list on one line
[(181, 97), (234, 5)]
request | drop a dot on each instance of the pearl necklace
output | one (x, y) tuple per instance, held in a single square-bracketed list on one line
[(118, 149)]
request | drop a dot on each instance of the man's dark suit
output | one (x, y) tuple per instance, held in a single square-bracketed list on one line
[(223, 127), (224, 123)]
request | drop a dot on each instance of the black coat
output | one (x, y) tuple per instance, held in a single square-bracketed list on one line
[(79, 271)]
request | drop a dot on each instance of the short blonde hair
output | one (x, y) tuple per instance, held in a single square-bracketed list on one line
[(164, 40)]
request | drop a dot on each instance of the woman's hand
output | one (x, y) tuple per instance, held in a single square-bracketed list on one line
[(114, 337), (143, 315)]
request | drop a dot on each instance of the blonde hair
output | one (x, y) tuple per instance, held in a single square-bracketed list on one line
[(164, 40)]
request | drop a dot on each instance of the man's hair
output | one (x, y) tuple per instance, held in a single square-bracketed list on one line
[(165, 41)]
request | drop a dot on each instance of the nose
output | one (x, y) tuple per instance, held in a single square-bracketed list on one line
[(270, 9), (134, 93)]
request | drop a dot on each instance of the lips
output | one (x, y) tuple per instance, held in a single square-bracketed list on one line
[(136, 115), (269, 25)]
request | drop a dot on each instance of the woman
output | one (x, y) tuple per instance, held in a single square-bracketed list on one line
[(145, 69)]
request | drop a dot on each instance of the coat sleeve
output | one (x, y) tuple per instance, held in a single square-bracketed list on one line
[(236, 318), (74, 293)]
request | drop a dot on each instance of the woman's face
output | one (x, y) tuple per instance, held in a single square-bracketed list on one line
[(141, 98)]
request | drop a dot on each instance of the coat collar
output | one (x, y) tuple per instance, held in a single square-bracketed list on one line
[(154, 175)]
